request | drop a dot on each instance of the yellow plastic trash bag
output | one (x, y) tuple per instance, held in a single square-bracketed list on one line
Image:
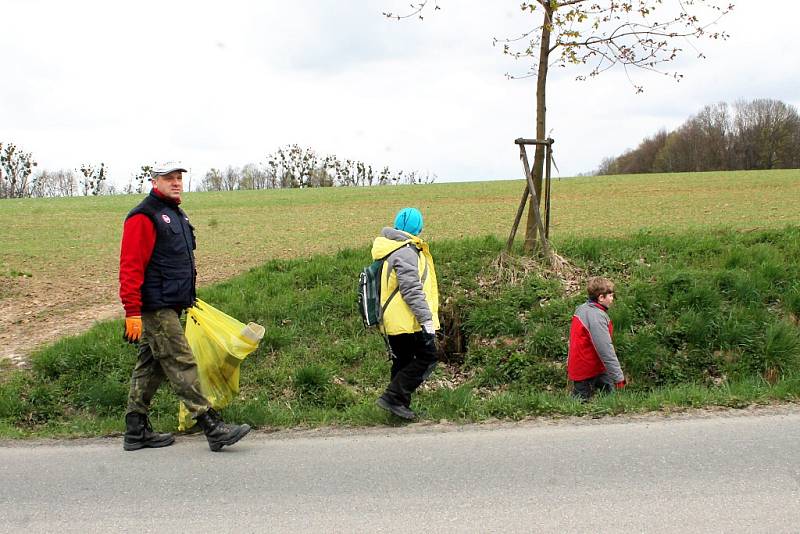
[(219, 344)]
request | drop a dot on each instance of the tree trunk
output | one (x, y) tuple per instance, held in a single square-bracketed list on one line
[(531, 234)]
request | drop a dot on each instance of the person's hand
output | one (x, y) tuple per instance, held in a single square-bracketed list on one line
[(429, 336), (133, 329), (621, 384)]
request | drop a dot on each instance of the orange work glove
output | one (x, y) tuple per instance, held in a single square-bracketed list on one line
[(622, 384), (133, 329)]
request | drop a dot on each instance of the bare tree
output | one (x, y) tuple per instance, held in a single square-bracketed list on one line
[(595, 36), (94, 178), (384, 177), (321, 176), (766, 133), (139, 180), (16, 168), (639, 160), (230, 179), (713, 126), (673, 156), (60, 183), (253, 177), (212, 181), (294, 166)]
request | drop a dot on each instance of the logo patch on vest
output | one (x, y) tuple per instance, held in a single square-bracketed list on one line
[(166, 218)]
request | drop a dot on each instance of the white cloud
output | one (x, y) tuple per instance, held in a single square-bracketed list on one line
[(224, 84)]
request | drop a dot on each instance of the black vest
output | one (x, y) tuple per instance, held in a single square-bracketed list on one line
[(170, 276)]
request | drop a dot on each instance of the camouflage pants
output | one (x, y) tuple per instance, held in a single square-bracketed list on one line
[(165, 353)]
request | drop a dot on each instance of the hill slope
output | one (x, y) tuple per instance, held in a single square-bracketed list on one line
[(702, 318)]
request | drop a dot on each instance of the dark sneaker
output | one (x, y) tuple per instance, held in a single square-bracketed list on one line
[(139, 434), (399, 410), (218, 433)]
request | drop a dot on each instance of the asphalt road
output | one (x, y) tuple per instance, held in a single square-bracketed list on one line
[(731, 472)]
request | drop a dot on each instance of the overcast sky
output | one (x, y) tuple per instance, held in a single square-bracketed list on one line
[(215, 83)]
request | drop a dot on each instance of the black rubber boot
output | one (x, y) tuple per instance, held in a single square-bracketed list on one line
[(139, 434), (218, 433)]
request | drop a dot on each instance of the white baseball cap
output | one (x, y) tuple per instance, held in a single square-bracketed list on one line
[(166, 167)]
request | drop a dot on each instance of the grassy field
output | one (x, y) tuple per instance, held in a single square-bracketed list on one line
[(77, 237), (58, 259), (708, 304)]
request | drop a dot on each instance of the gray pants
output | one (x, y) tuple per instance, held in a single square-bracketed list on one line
[(584, 389), (165, 353)]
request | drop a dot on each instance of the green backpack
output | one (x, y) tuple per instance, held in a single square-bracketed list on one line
[(369, 291)]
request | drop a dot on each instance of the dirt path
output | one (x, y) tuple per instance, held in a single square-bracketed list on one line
[(40, 311), (36, 311)]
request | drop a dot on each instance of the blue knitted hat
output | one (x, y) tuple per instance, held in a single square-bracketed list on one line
[(409, 220)]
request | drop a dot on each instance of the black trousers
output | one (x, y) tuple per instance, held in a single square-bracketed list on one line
[(414, 361), (584, 389)]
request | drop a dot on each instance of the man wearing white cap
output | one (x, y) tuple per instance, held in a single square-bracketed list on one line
[(157, 278)]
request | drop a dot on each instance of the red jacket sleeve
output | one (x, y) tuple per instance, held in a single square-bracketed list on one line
[(138, 240)]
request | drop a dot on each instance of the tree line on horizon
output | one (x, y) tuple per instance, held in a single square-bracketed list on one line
[(290, 166), (759, 134)]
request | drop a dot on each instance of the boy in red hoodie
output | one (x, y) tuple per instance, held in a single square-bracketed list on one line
[(592, 362)]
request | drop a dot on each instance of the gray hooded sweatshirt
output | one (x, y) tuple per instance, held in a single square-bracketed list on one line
[(405, 263)]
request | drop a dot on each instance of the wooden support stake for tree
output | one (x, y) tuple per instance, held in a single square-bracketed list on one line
[(549, 160), (534, 200), (517, 219), (529, 189)]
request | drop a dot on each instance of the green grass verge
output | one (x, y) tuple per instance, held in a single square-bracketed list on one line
[(702, 319)]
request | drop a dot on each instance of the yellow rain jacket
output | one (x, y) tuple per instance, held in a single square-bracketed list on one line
[(417, 287)]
